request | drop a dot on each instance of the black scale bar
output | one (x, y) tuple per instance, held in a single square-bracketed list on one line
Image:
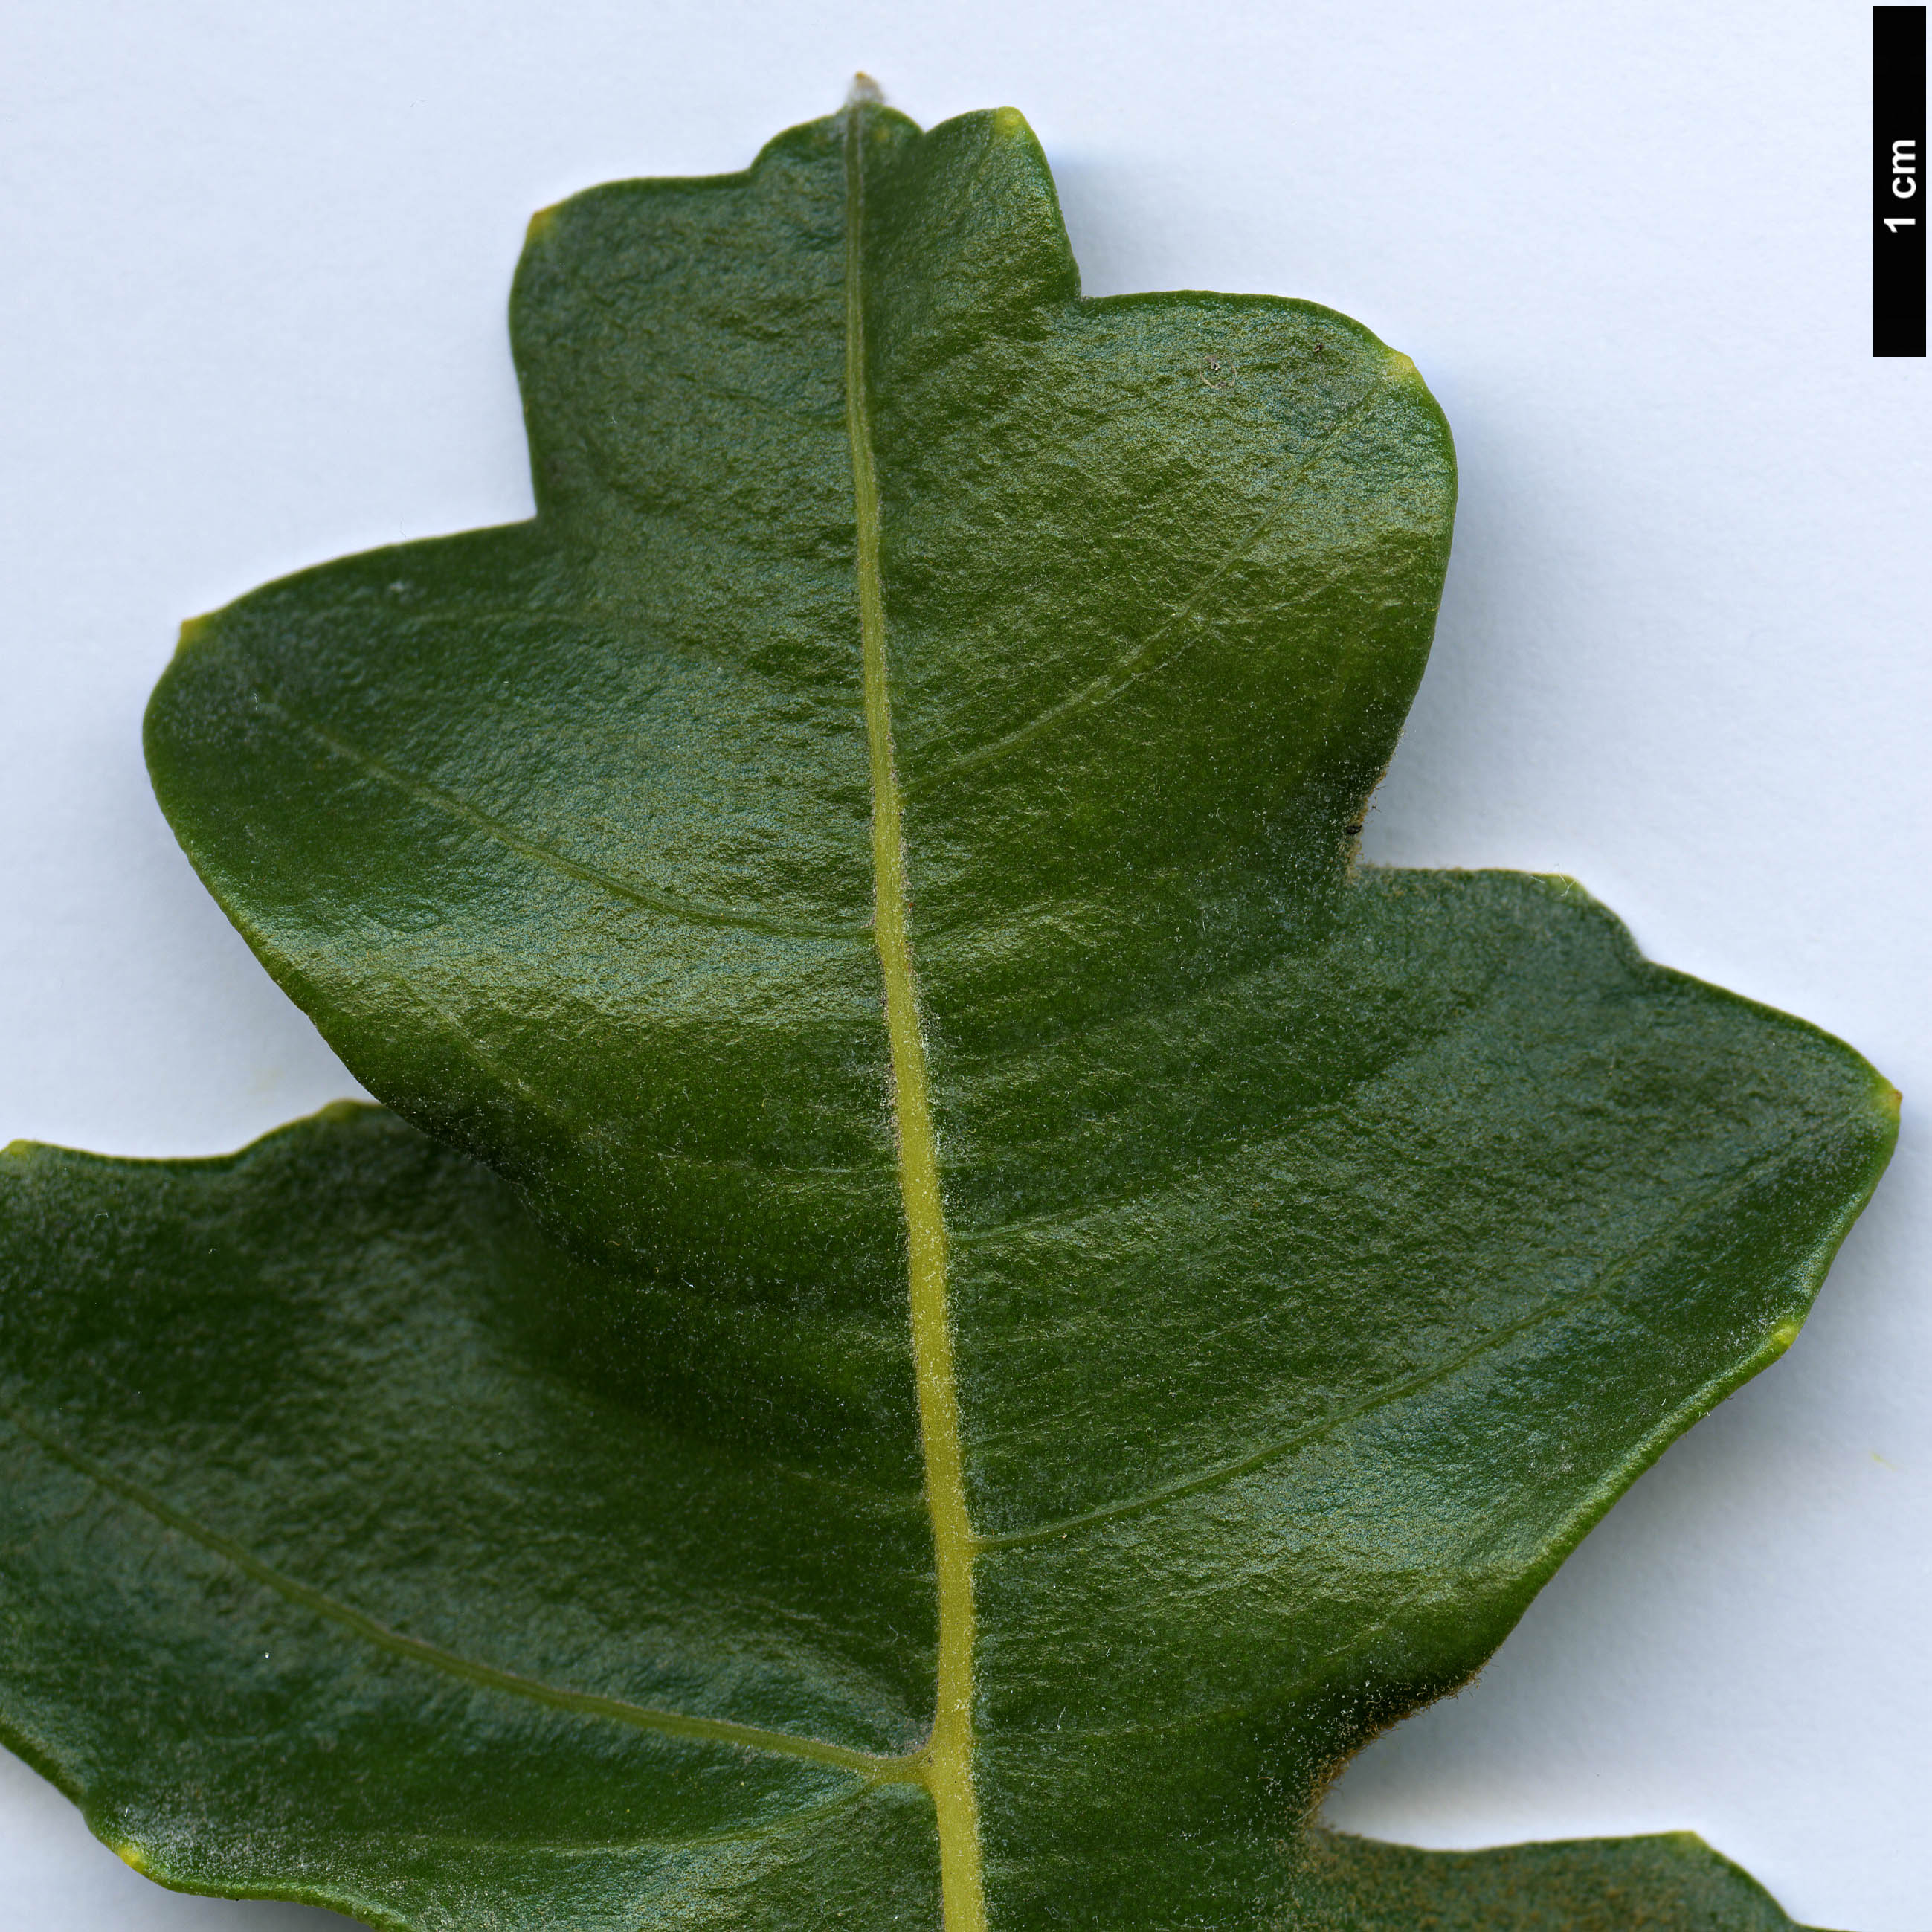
[(1898, 180)]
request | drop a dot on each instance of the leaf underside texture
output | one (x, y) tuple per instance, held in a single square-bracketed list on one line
[(955, 1305)]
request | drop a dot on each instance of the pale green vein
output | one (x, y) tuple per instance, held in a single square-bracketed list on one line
[(831, 421), (485, 1676), (1584, 1512), (947, 1760), (1599, 1285), (649, 898), (781, 1827), (1142, 658), (724, 392), (413, 993)]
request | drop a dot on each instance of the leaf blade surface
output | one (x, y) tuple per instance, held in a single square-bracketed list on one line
[(1300, 1257), (332, 1576), (1162, 1684)]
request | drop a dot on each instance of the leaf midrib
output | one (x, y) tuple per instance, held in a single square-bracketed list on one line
[(946, 1763)]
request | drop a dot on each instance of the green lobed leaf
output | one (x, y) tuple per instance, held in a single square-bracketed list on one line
[(1057, 1303)]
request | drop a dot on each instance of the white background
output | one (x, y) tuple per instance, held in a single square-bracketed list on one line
[(256, 262)]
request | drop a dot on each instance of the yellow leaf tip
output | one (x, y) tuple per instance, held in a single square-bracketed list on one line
[(1783, 1335), (192, 630), (539, 222), (865, 90), (133, 1855)]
